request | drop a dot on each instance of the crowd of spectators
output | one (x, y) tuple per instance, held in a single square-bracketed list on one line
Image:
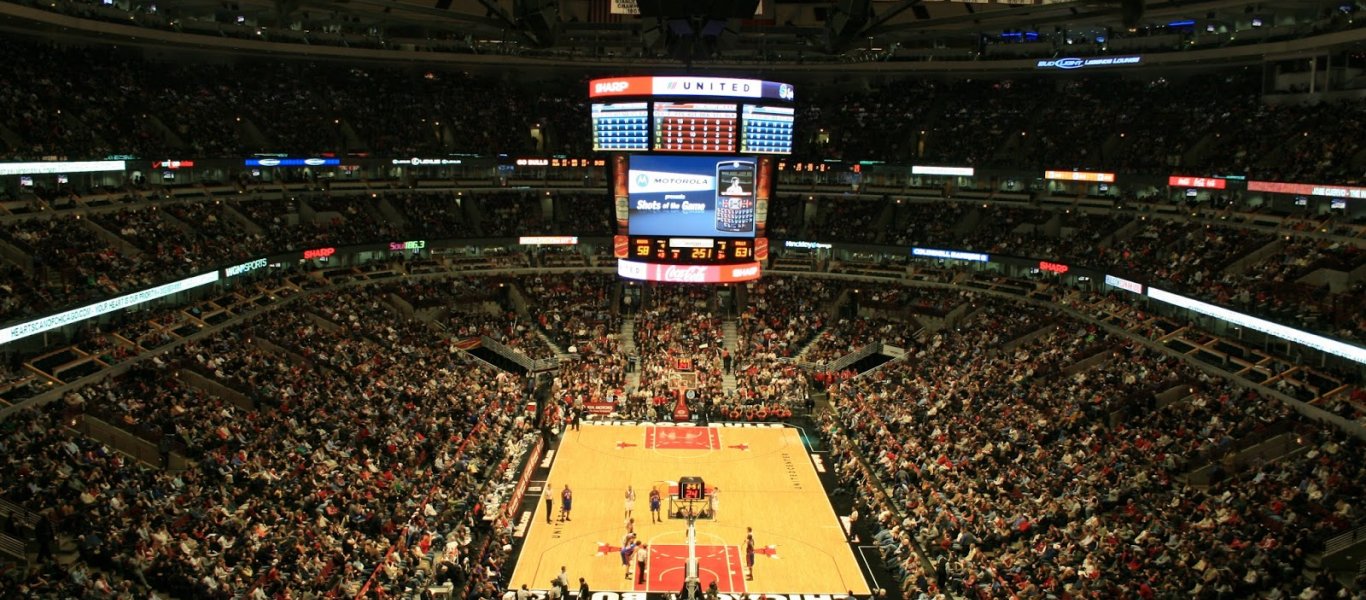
[(274, 500), (887, 314), (577, 313), (431, 215), (79, 258), (782, 315), (505, 215), (583, 214), (1007, 471), (131, 105), (850, 220), (999, 227), (925, 223), (1024, 453), (680, 324), (1214, 124)]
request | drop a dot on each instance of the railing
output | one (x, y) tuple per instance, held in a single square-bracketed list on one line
[(14, 547), (858, 354), (530, 364), (1344, 541), (23, 516)]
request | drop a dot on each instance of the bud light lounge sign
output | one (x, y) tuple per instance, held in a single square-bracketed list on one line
[(1068, 64)]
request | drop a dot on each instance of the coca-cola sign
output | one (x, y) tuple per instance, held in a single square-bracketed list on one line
[(643, 271), (677, 274)]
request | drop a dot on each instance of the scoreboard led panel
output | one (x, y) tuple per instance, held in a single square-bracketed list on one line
[(692, 251), (621, 126), (766, 129), (695, 127)]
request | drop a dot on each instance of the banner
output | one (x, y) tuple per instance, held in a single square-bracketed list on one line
[(599, 408), (1209, 183), (1331, 346), (51, 168), (22, 330), (950, 254), (1307, 189), (1068, 64), (548, 240), (641, 271), (951, 171), (632, 7), (1079, 176)]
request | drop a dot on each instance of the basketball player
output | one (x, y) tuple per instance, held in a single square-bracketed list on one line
[(642, 554), (630, 502), (749, 552), (627, 551), (715, 501), (566, 502), (654, 506)]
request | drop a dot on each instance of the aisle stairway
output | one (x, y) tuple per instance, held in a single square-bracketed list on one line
[(801, 354), (731, 343), (560, 353), (628, 347)]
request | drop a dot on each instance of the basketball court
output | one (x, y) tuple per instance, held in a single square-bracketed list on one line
[(760, 477)]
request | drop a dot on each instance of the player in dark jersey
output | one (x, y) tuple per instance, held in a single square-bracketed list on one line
[(654, 506), (749, 552), (566, 502)]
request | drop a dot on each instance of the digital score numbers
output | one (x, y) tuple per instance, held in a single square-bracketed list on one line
[(692, 251), (692, 488)]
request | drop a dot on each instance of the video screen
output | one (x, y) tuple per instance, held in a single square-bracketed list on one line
[(691, 196), (695, 127)]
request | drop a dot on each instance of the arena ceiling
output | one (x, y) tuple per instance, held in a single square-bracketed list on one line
[(701, 30)]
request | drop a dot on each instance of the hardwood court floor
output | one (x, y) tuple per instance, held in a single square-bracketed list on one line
[(766, 480)]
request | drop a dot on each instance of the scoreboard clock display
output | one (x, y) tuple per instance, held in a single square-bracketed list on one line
[(691, 251), (692, 488)]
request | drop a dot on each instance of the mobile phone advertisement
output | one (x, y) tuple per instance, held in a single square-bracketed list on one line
[(691, 196)]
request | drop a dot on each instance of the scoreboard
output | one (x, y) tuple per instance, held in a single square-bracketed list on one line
[(695, 127), (767, 129), (692, 172), (692, 488), (693, 251), (621, 126)]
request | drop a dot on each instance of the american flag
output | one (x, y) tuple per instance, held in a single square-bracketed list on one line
[(600, 11)]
